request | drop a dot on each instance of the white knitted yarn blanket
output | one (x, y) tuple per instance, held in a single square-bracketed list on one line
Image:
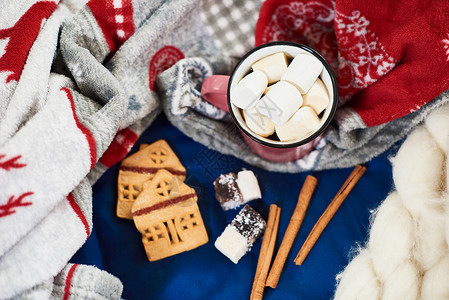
[(407, 255)]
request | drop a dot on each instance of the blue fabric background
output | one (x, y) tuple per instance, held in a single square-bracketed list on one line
[(204, 273)]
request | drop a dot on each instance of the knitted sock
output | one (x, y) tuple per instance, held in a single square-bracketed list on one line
[(85, 282)]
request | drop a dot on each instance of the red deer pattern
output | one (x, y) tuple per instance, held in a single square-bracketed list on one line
[(10, 163), (13, 202), (21, 37)]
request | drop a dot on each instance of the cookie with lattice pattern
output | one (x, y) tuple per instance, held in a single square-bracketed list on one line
[(166, 213), (141, 167)]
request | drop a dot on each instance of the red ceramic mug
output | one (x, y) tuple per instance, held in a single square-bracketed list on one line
[(217, 89)]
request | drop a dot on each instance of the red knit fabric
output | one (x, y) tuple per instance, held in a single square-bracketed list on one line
[(21, 37), (115, 19), (119, 147), (390, 57)]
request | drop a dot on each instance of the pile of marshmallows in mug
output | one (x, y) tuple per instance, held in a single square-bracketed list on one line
[(281, 97)]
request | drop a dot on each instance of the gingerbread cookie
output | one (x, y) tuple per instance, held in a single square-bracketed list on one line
[(140, 167), (167, 215)]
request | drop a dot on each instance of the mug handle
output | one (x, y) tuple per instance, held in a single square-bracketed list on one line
[(214, 90)]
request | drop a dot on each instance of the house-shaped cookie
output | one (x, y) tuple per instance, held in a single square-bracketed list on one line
[(166, 213), (140, 167)]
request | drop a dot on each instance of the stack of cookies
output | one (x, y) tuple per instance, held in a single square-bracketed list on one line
[(141, 167), (152, 192)]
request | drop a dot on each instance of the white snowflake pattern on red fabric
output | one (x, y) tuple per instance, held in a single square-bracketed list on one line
[(362, 59), (446, 47), (309, 23), (345, 41)]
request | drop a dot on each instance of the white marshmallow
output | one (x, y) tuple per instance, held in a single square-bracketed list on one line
[(257, 122), (303, 71), (273, 66), (249, 89), (232, 244), (317, 97), (280, 103), (248, 185), (300, 125)]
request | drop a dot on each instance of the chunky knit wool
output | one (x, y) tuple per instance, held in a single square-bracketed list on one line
[(407, 254)]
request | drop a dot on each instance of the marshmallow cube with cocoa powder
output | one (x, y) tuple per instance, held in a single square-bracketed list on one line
[(239, 236), (248, 185), (233, 190)]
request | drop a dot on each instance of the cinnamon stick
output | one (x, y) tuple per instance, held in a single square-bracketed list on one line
[(330, 211), (266, 252), (292, 230)]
